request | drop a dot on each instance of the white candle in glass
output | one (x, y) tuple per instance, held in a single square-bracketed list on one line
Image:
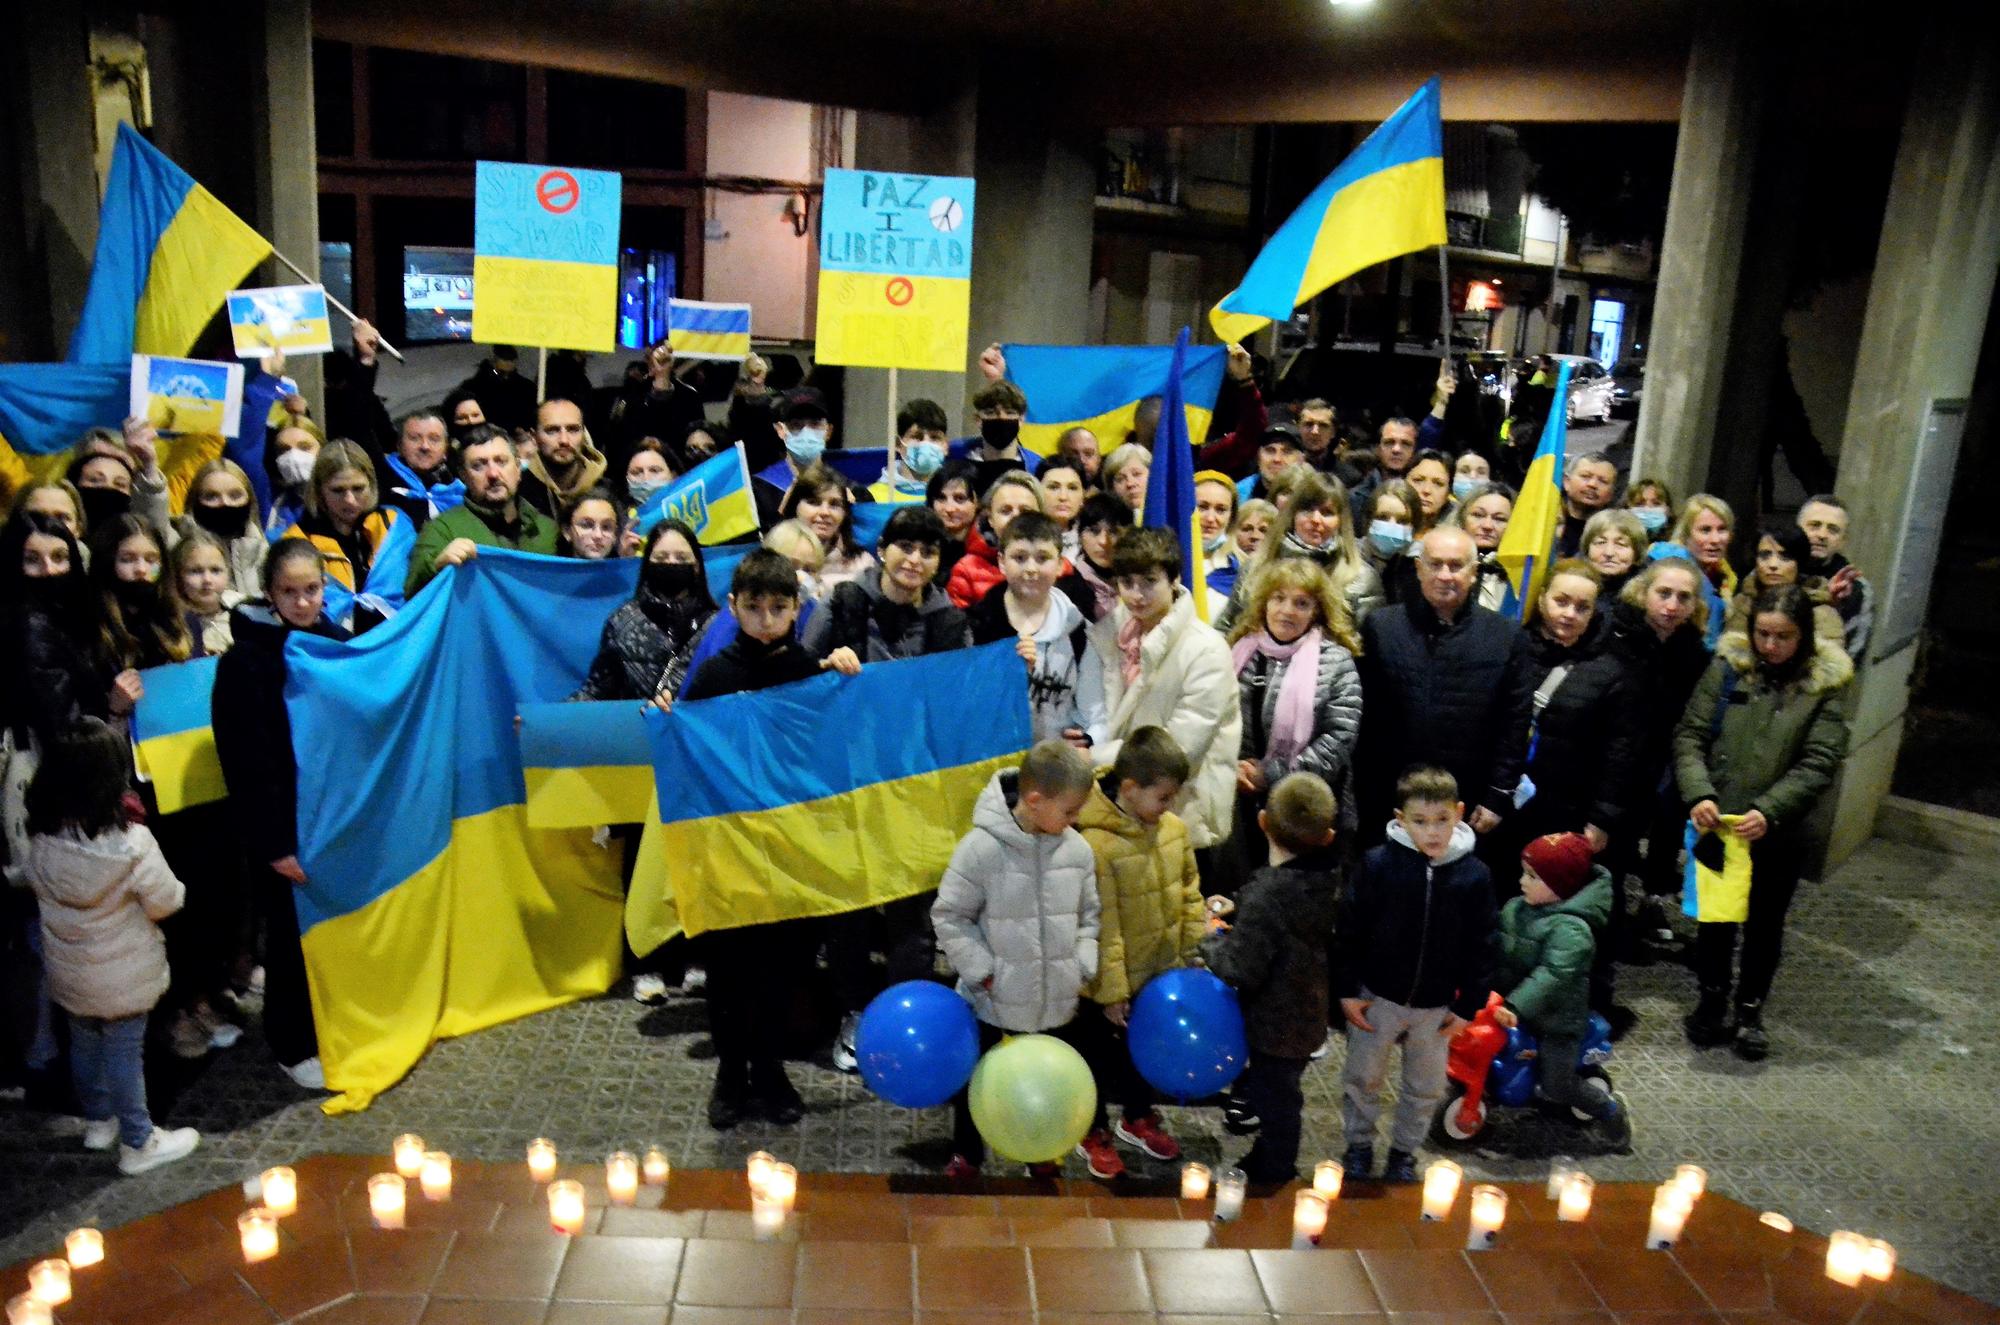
[(1846, 1258), (49, 1281), (1229, 1187), (1560, 1169), (621, 1177), (771, 1202), (281, 1191), (1441, 1181), (1327, 1177), (1573, 1206), (409, 1154), (1773, 1220), (1308, 1218), (84, 1246), (1488, 1213), (1692, 1179), (1671, 1205), (258, 1230), (542, 1159), (566, 1206), (435, 1176), (27, 1309), (1881, 1259), (388, 1198), (1194, 1182), (656, 1167), (758, 1167)]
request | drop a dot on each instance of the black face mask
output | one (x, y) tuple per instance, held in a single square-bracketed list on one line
[(102, 505), (137, 599), (999, 434), (669, 579), (225, 522)]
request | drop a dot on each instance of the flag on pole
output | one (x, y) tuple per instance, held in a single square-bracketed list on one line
[(1386, 199), (1099, 387), (708, 331), (1527, 548), (1170, 486), (713, 499)]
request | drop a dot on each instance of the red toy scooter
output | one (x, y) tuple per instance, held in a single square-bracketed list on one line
[(1492, 1064)]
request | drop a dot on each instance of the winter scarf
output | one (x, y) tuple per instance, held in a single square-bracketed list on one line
[(1292, 723)]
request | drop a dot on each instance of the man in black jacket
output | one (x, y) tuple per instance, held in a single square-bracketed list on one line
[(1445, 682)]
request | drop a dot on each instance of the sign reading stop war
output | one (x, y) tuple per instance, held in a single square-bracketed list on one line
[(545, 256), (895, 270)]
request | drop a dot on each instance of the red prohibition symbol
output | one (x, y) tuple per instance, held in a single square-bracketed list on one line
[(558, 192), (899, 291)]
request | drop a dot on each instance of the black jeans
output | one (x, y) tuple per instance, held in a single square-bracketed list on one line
[(1270, 1086), (1102, 1045), (288, 1014), (753, 974), (206, 935), (1775, 865), (902, 928)]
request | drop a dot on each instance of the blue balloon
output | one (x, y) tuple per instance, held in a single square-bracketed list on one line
[(917, 1044), (1186, 1034)]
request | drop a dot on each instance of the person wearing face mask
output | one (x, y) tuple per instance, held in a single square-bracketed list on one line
[(421, 484), (291, 455), (1651, 502), (1469, 471), (1390, 538), (220, 501), (102, 474), (644, 650), (1000, 406), (919, 450), (140, 627), (804, 429), (647, 470), (1215, 511), (1313, 524)]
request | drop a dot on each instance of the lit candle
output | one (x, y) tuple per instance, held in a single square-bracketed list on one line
[(1229, 1185), (1573, 1206), (48, 1281), (771, 1203), (541, 1159), (656, 1167), (1881, 1261), (1772, 1219), (387, 1196), (1489, 1212), (281, 1191), (566, 1206), (27, 1309), (1308, 1218), (84, 1247), (621, 1177), (436, 1175), (1846, 1257), (1440, 1189), (259, 1231), (1671, 1205), (1194, 1182), (758, 1167), (1560, 1169), (1692, 1179), (409, 1152), (1327, 1177)]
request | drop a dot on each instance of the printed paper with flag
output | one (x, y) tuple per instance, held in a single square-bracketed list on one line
[(172, 743), (1385, 199), (46, 407), (831, 794), (167, 255), (431, 908), (1170, 485), (1099, 387), (1527, 548), (713, 499), (708, 331)]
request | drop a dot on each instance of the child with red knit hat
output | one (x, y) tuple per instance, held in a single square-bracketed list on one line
[(1548, 938)]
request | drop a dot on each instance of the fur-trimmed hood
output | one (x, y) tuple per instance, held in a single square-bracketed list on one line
[(1829, 670)]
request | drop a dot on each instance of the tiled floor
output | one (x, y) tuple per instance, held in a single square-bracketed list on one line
[(1879, 1110)]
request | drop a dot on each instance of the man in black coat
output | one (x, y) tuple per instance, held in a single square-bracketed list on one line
[(1443, 682)]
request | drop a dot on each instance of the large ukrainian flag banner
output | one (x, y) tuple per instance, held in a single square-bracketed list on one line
[(172, 743), (46, 407), (1099, 387), (1386, 199), (431, 908), (713, 499), (586, 764), (830, 794), (1527, 548), (167, 255)]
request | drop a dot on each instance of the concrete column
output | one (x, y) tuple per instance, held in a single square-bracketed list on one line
[(1928, 309), (47, 141), (1701, 255), (288, 163)]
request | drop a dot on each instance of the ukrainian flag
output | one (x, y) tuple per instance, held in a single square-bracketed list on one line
[(167, 255), (1099, 387), (431, 907), (586, 764), (713, 499), (1527, 548), (1170, 485), (1386, 199), (834, 793), (708, 331), (172, 744), (46, 407), (388, 574)]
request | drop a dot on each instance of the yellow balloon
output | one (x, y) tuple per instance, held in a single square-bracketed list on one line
[(1032, 1098)]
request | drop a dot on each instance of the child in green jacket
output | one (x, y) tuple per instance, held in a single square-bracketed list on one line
[(1548, 938)]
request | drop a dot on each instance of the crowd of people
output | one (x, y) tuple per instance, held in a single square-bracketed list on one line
[(1348, 771)]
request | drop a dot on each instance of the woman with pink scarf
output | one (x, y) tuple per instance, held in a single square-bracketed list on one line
[(1294, 650)]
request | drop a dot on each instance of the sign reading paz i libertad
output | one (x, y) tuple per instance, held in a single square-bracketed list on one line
[(895, 270), (545, 256)]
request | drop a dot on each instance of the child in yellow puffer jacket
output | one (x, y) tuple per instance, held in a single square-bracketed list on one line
[(1152, 921)]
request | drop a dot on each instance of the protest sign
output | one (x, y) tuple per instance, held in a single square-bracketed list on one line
[(545, 256), (292, 318), (895, 280), (187, 395)]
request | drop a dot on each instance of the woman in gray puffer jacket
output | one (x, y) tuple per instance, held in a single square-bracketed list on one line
[(1292, 612)]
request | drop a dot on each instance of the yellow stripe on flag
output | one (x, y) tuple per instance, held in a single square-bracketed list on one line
[(183, 769), (204, 253), (1109, 429), (587, 797)]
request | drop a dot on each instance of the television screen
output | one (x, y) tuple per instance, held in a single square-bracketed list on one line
[(437, 294)]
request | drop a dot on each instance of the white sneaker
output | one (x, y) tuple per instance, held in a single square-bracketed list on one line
[(100, 1135), (255, 984), (226, 1035), (845, 1059), (649, 989), (308, 1074), (694, 981), (1325, 1047), (164, 1146)]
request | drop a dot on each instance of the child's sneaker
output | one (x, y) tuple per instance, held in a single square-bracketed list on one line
[(1147, 1134), (648, 989), (1358, 1162), (845, 1059), (1100, 1155), (188, 1038), (960, 1169), (308, 1074), (1400, 1167), (1238, 1118), (1615, 1128), (100, 1135), (222, 1033), (163, 1146)]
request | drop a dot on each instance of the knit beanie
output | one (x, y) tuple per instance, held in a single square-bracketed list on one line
[(1561, 860)]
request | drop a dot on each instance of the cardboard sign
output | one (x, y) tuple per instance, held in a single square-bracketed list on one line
[(292, 318), (895, 281), (187, 395), (545, 256)]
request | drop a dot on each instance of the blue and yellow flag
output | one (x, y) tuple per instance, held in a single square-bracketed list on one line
[(699, 330), (388, 574), (713, 499), (168, 254), (830, 794), (1170, 485), (586, 764), (1099, 387), (172, 743), (1385, 199), (1527, 548), (431, 908), (46, 407)]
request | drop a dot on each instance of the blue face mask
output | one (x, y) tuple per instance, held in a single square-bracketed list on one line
[(1461, 488), (643, 492), (922, 459), (1388, 537), (1651, 518), (804, 445)]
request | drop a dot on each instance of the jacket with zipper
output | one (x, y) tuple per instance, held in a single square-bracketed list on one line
[(1151, 916), (1066, 684), (1544, 954), (101, 899), (857, 615), (1419, 932), (1336, 727), (1275, 953)]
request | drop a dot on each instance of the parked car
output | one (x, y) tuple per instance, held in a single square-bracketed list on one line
[(1589, 389), (1628, 379)]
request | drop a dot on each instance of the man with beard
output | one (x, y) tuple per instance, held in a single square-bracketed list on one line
[(491, 515), (564, 462)]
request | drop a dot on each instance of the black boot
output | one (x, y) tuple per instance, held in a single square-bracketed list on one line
[(772, 1094), (1752, 1044), (729, 1102), (1708, 1024)]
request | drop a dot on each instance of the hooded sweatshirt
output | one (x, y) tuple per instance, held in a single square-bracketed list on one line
[(1066, 684), (542, 492), (100, 899), (1416, 931), (859, 616)]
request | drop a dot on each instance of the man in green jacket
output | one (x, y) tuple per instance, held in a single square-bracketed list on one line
[(1548, 938), (491, 515)]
